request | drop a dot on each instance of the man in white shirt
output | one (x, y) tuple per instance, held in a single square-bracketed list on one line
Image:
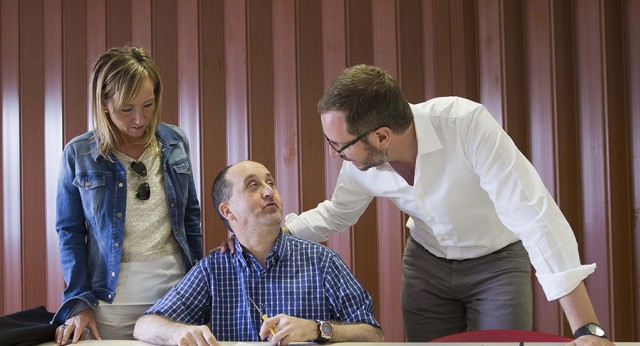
[(475, 204)]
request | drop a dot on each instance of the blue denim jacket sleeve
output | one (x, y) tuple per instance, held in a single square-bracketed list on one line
[(90, 213), (72, 233)]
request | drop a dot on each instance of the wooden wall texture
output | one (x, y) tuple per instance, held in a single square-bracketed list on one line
[(243, 78)]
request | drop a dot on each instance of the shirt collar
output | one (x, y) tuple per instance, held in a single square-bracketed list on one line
[(426, 135), (278, 252)]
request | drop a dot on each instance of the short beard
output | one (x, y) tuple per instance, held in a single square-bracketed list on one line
[(375, 157)]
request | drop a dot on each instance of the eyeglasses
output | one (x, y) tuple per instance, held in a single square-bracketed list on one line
[(144, 191), (346, 146)]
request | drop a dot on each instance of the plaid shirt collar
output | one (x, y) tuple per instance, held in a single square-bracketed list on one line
[(278, 253)]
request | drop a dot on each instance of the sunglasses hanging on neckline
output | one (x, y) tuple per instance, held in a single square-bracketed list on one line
[(144, 191)]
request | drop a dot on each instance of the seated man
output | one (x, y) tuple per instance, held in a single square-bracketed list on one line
[(305, 287)]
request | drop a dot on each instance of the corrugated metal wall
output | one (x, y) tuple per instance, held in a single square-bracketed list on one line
[(243, 79)]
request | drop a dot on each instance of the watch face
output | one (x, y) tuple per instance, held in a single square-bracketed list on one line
[(326, 330), (596, 330)]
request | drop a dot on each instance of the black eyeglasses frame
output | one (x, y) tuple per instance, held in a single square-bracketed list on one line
[(354, 141)]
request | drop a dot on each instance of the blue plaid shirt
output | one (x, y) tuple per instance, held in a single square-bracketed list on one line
[(302, 279)]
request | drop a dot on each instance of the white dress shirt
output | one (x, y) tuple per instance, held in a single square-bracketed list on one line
[(473, 193)]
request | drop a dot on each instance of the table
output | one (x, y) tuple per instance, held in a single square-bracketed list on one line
[(227, 343)]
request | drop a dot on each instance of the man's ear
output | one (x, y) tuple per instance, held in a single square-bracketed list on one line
[(382, 137), (225, 211)]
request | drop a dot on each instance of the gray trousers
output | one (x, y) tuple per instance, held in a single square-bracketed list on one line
[(442, 297)]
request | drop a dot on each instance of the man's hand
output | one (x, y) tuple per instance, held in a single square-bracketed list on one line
[(159, 330), (590, 340), (75, 325), (196, 336), (228, 245), (288, 329)]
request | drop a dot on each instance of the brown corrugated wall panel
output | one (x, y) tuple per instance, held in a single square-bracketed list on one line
[(212, 117), (616, 122), (75, 78), (632, 64), (243, 79), (31, 153), (119, 18), (285, 104), (12, 228), (359, 26), (53, 142), (604, 151), (464, 60), (334, 57), (189, 85), (260, 73), (310, 87), (11, 249), (548, 74), (164, 23), (389, 219)]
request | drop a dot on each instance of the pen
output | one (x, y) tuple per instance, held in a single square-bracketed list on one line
[(264, 316)]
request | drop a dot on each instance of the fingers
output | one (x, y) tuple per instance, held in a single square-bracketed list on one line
[(268, 328), (75, 326), (76, 330), (63, 333), (94, 331), (227, 245), (197, 336), (60, 333)]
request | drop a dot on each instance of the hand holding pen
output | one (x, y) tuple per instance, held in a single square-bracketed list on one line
[(264, 315)]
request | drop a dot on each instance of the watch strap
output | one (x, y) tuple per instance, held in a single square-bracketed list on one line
[(586, 330)]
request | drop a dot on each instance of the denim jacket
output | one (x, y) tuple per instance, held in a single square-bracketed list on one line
[(91, 207)]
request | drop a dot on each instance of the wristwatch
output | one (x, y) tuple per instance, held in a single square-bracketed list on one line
[(590, 329), (325, 332)]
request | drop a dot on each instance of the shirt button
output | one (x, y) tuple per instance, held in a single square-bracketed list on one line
[(109, 296), (263, 305), (119, 214), (117, 244), (120, 184), (87, 184), (444, 238), (431, 219), (173, 205), (113, 274)]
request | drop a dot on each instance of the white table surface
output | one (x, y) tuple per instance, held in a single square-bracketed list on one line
[(226, 343)]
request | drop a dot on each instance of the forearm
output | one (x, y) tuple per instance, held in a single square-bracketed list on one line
[(578, 308), (356, 332), (157, 330)]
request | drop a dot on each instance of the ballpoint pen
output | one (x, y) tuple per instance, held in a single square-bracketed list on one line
[(264, 316)]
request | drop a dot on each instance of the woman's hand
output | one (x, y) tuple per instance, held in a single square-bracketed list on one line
[(228, 245), (75, 325)]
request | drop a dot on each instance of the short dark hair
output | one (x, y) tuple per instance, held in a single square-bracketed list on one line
[(221, 192), (369, 98)]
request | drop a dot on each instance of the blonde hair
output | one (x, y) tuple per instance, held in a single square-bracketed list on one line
[(120, 73)]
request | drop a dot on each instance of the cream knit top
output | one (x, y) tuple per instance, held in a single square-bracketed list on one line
[(147, 226)]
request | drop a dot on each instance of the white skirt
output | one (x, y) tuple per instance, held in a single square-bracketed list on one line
[(140, 284)]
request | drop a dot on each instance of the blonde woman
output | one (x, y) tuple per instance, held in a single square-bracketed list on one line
[(128, 217)]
